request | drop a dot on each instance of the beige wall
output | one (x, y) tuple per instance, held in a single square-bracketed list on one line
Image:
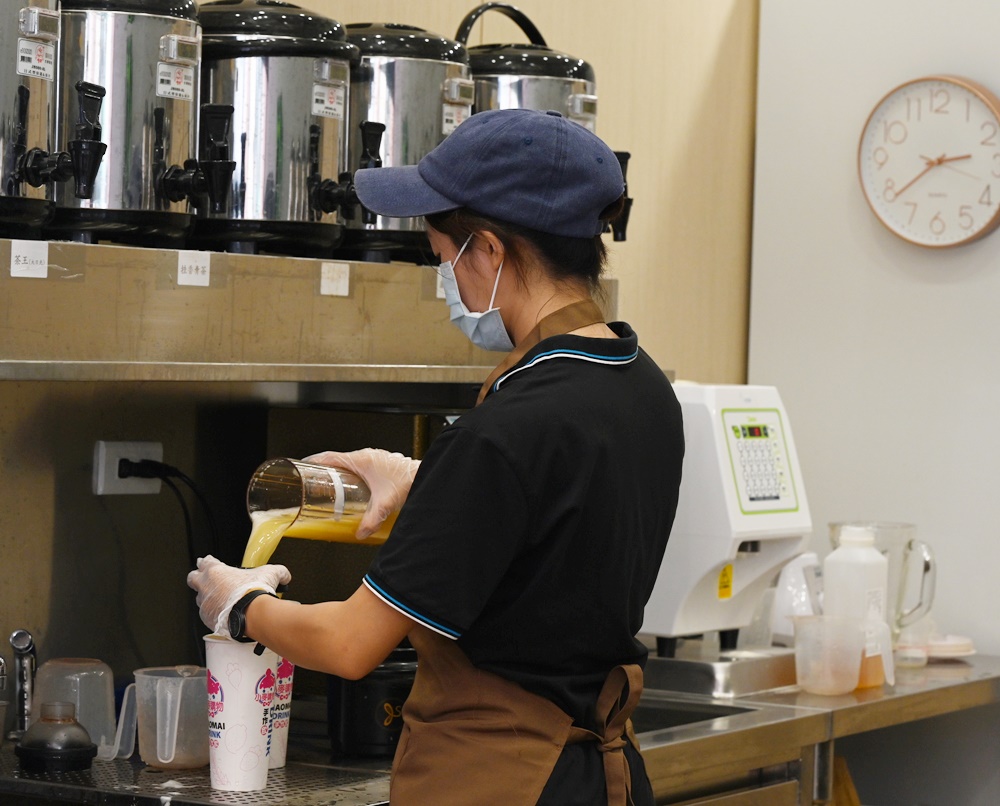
[(104, 576), (676, 80)]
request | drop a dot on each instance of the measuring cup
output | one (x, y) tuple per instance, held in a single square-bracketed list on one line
[(172, 710), (288, 498), (829, 651)]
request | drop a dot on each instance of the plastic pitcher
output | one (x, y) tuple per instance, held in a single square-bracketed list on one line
[(172, 709), (912, 570)]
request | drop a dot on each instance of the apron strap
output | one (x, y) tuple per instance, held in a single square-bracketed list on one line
[(565, 320), (617, 701)]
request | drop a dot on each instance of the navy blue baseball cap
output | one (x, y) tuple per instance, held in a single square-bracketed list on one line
[(536, 169)]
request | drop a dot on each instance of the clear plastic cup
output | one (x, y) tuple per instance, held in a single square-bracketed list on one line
[(88, 683)]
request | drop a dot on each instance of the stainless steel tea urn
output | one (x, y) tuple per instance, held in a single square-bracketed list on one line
[(534, 76), (528, 76), (29, 42), (146, 53), (417, 84), (286, 73)]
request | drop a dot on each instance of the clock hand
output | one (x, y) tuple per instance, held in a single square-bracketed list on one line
[(960, 171), (931, 164)]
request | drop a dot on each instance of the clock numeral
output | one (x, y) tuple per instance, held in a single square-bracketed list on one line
[(880, 157), (894, 131), (965, 219), (990, 129), (937, 225), (996, 165), (940, 98), (914, 108), (889, 191), (913, 212), (986, 197)]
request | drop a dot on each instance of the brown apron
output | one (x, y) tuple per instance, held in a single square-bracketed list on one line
[(472, 737)]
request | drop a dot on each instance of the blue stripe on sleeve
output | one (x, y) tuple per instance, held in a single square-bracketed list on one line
[(395, 603)]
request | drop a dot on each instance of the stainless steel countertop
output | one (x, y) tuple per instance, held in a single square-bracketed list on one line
[(941, 687), (755, 732)]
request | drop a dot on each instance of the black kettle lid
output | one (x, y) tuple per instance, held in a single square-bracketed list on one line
[(232, 28), (533, 59), (183, 9), (527, 60), (404, 41)]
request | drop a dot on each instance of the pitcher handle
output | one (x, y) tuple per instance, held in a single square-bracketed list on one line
[(168, 711), (927, 580), (124, 742)]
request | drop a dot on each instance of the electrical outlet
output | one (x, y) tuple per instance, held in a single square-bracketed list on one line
[(106, 458)]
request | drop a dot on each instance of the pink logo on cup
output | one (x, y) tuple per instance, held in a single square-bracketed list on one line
[(285, 671), (215, 696), (264, 690)]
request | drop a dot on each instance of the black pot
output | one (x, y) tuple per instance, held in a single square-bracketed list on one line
[(365, 716)]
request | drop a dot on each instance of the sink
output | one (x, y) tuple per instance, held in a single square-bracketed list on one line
[(655, 714)]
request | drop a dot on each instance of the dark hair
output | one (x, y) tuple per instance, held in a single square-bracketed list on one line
[(565, 258)]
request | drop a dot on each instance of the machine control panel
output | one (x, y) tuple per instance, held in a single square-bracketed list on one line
[(758, 454)]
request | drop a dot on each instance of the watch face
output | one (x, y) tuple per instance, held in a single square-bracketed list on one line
[(929, 161)]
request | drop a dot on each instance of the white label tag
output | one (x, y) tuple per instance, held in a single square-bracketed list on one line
[(194, 268), (440, 286), (452, 115), (328, 100), (174, 81), (335, 279), (36, 59), (29, 259)]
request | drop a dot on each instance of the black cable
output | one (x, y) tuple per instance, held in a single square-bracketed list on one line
[(151, 469), (188, 527), (148, 468), (192, 561)]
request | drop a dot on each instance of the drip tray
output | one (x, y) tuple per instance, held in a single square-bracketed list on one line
[(727, 674)]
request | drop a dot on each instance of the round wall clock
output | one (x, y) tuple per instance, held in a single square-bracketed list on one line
[(929, 161)]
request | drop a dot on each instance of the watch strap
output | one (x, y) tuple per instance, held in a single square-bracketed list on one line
[(238, 615)]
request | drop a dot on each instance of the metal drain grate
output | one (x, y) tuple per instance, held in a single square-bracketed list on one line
[(123, 781)]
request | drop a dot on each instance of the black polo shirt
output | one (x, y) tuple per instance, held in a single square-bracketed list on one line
[(536, 523)]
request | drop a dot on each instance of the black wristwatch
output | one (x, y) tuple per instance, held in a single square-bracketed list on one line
[(238, 615)]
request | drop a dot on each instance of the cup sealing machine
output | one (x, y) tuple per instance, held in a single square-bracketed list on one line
[(741, 516)]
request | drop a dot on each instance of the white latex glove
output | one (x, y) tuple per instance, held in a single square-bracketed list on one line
[(388, 476), (220, 586)]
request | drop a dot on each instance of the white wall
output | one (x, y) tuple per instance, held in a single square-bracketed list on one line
[(887, 355)]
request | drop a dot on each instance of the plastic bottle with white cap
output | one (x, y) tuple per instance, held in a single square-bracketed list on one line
[(855, 582)]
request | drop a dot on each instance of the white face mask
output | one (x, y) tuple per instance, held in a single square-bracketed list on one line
[(484, 329)]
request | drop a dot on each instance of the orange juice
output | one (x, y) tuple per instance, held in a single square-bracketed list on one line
[(270, 525), (872, 672)]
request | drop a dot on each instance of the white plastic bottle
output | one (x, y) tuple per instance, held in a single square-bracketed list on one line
[(855, 585)]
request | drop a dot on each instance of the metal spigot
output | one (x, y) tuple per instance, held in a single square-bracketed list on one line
[(24, 667)]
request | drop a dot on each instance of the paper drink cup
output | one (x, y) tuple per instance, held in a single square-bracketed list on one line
[(241, 688), (281, 714)]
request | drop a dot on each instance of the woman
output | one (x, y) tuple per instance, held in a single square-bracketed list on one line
[(532, 532)]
